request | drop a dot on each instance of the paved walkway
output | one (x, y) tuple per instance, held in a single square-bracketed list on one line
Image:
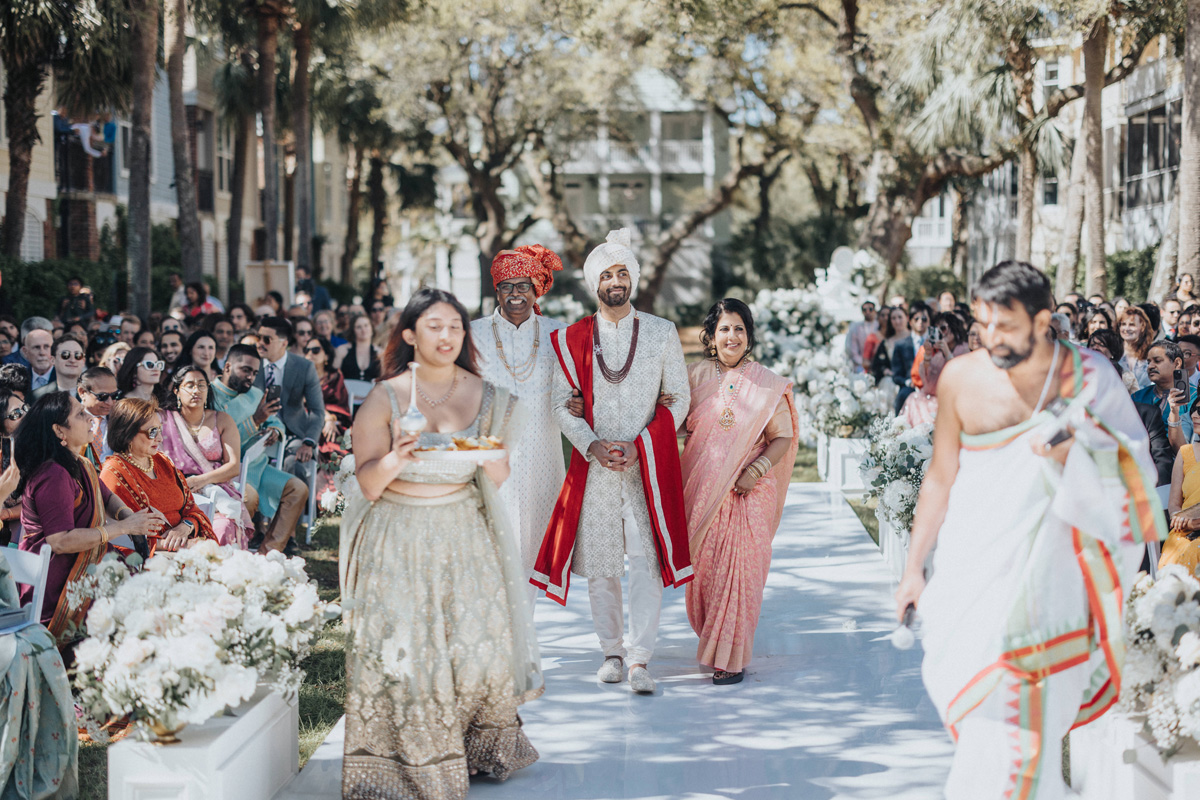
[(826, 710)]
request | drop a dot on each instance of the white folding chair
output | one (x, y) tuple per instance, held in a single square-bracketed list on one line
[(205, 504), (256, 451), (358, 391), (311, 516), (30, 569)]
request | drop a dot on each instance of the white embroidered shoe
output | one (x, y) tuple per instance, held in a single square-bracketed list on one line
[(611, 671), (640, 680)]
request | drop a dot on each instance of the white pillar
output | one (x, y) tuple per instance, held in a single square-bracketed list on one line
[(655, 165), (602, 167), (710, 164)]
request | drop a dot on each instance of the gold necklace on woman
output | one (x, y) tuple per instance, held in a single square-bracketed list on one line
[(443, 398), (728, 419), (523, 372), (194, 430), (127, 458)]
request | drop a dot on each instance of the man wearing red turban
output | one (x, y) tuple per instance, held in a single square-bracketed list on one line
[(515, 353)]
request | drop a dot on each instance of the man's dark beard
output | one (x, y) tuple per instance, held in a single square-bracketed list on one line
[(1014, 357), (238, 385), (604, 298)]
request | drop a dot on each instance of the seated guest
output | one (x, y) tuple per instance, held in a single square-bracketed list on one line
[(145, 338), (141, 374), (894, 322), (1060, 324), (1071, 312), (302, 407), (206, 447), (98, 393), (323, 325), (145, 478), (358, 360), (1183, 545), (170, 345), (13, 409), (1137, 332), (38, 348), (856, 337), (198, 303), (1184, 326), (200, 350), (27, 327), (319, 353), (280, 497), (68, 366), (242, 317), (1189, 345), (64, 504), (169, 324), (1163, 358), (222, 331), (974, 336), (1095, 319), (302, 332), (1171, 309), (1160, 443), (15, 379), (114, 356), (949, 342), (1108, 344)]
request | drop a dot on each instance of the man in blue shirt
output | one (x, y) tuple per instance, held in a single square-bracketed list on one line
[(1161, 362)]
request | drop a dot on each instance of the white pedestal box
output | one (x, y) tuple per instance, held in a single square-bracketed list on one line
[(844, 457), (1112, 759), (822, 456), (893, 544), (248, 756)]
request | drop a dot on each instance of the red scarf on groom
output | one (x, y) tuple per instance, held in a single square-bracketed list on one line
[(658, 460)]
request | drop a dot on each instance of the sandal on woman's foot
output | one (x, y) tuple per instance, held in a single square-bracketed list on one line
[(723, 678)]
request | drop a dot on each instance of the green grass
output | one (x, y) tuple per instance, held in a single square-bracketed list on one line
[(806, 467), (322, 697), (865, 509)]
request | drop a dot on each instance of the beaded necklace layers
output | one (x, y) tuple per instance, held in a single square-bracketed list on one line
[(728, 419), (614, 376), (523, 371), (128, 459)]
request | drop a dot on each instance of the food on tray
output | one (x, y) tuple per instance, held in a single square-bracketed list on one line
[(466, 443)]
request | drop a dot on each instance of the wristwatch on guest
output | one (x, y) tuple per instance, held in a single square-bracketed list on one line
[(309, 443)]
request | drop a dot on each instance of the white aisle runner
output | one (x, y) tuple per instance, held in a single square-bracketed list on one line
[(824, 712)]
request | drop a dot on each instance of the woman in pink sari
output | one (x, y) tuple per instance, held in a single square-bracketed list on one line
[(205, 446), (742, 441)]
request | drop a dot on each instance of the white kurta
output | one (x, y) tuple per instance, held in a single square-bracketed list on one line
[(538, 470), (620, 412)]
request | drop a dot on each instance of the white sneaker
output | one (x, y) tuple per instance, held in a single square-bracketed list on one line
[(640, 680), (611, 671)]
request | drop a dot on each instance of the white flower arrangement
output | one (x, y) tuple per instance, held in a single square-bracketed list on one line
[(564, 307), (894, 468), (1162, 658), (194, 632), (841, 404), (789, 325)]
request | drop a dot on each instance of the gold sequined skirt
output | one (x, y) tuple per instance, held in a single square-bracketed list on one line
[(428, 669)]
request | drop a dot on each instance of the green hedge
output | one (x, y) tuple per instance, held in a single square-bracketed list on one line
[(35, 288)]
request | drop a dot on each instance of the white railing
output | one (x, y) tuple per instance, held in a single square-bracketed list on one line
[(676, 157), (928, 231), (683, 157)]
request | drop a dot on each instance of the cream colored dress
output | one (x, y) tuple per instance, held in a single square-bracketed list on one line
[(441, 648)]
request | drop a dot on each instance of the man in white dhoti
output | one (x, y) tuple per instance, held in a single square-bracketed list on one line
[(1037, 539), (623, 494), (515, 354)]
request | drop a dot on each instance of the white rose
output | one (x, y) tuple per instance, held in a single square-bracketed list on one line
[(1188, 650), (133, 652)]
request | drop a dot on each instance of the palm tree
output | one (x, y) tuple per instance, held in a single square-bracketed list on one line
[(269, 14), (234, 83), (1094, 47), (1189, 151), (144, 51), (34, 36), (175, 47), (1068, 251)]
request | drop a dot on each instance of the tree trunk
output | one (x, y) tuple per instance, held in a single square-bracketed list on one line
[(22, 86), (1167, 259), (960, 232), (302, 186), (353, 210), (1189, 161), (1020, 59), (1094, 47), (144, 47), (237, 202), (175, 47), (377, 198), (289, 215), (1067, 277), (268, 46)]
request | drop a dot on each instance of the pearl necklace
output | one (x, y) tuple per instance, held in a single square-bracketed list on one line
[(728, 419), (523, 372), (443, 398)]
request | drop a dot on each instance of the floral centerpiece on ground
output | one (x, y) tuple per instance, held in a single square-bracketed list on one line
[(790, 324), (1162, 659), (193, 632), (845, 405), (894, 468)]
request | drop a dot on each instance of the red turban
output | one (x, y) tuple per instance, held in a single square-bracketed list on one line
[(528, 261)]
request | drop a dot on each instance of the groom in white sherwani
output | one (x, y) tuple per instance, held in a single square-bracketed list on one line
[(623, 495), (515, 354)]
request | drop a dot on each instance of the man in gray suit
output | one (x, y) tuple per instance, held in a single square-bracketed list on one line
[(302, 408)]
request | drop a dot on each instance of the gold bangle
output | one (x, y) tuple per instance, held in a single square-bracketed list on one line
[(103, 534), (764, 464)]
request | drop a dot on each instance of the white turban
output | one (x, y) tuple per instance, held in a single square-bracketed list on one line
[(615, 250)]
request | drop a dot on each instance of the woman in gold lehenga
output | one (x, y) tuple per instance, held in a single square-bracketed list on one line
[(442, 649), (1183, 545)]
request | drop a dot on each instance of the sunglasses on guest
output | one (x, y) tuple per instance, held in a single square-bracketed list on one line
[(17, 413), (153, 433), (152, 365), (312, 351), (104, 397), (67, 355)]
